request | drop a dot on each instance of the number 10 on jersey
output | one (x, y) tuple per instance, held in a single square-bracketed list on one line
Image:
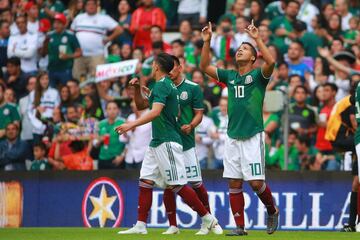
[(239, 91)]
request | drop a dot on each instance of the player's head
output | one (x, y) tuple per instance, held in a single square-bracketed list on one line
[(246, 53), (163, 64), (177, 70)]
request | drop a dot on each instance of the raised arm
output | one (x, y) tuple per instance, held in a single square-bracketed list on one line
[(269, 63), (325, 53), (205, 53), (141, 102)]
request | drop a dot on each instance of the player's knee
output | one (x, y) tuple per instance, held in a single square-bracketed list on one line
[(146, 181), (256, 185), (235, 183), (196, 184)]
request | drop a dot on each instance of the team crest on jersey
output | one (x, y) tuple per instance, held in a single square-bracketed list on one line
[(248, 79), (184, 96), (64, 39), (103, 204), (6, 112)]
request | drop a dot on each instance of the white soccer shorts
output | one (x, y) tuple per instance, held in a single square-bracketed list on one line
[(164, 165), (192, 166), (245, 159)]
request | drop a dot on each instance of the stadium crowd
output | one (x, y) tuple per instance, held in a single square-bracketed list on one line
[(53, 115)]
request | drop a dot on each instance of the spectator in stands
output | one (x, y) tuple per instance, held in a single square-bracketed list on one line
[(333, 28), (157, 47), (280, 77), (277, 158), (241, 35), (8, 113), (275, 9), (323, 145), (111, 149), (65, 98), (48, 8), (321, 73), (75, 94), (136, 140), (156, 36), (13, 151), (62, 47), (72, 118), (342, 8), (282, 26), (296, 61), (124, 21), (42, 102), (224, 44), (142, 19), (75, 7), (79, 158), (15, 78), (126, 51), (265, 34), (40, 162), (90, 29), (309, 157), (9, 96), (185, 30), (257, 11), (4, 40), (353, 31), (193, 10), (219, 135), (24, 46), (307, 12), (32, 13), (302, 117), (26, 130), (212, 92), (203, 141), (93, 107)]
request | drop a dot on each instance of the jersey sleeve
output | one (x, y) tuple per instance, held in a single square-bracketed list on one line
[(222, 75), (15, 114), (109, 23), (160, 93), (198, 98), (74, 42), (259, 75)]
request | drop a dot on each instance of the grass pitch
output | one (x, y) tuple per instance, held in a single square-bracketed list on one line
[(110, 234)]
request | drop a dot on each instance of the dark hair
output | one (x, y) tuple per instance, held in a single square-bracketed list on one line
[(2, 86), (3, 22), (178, 41), (156, 26), (293, 1), (299, 43), (303, 139), (14, 61), (176, 59), (39, 91), (295, 75), (77, 146), (338, 39), (86, 1), (74, 80), (158, 45), (331, 85), (109, 102), (302, 87), (40, 145), (165, 62), (282, 63), (253, 49), (299, 26), (21, 16), (92, 111)]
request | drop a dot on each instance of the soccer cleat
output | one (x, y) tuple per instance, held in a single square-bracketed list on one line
[(272, 222), (208, 222), (138, 228), (348, 228), (217, 229), (239, 231), (172, 230)]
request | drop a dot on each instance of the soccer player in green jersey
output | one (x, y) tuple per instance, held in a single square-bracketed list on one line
[(244, 147), (191, 107), (163, 164)]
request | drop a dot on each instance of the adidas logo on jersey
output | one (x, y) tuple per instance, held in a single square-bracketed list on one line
[(232, 81), (248, 79)]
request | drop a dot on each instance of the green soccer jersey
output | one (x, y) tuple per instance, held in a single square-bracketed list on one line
[(115, 147), (245, 101), (281, 42), (65, 42), (165, 127), (147, 66), (56, 6), (190, 99), (357, 114), (8, 114)]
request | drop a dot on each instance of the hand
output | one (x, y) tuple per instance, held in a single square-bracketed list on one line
[(11, 79), (2, 133), (281, 32), (197, 138), (64, 56), (106, 40), (125, 127), (118, 160), (202, 20), (324, 52), (135, 82), (40, 109), (146, 90), (252, 30), (215, 135), (206, 33), (186, 129)]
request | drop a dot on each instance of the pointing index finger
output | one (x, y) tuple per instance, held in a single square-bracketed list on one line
[(210, 27), (252, 22)]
